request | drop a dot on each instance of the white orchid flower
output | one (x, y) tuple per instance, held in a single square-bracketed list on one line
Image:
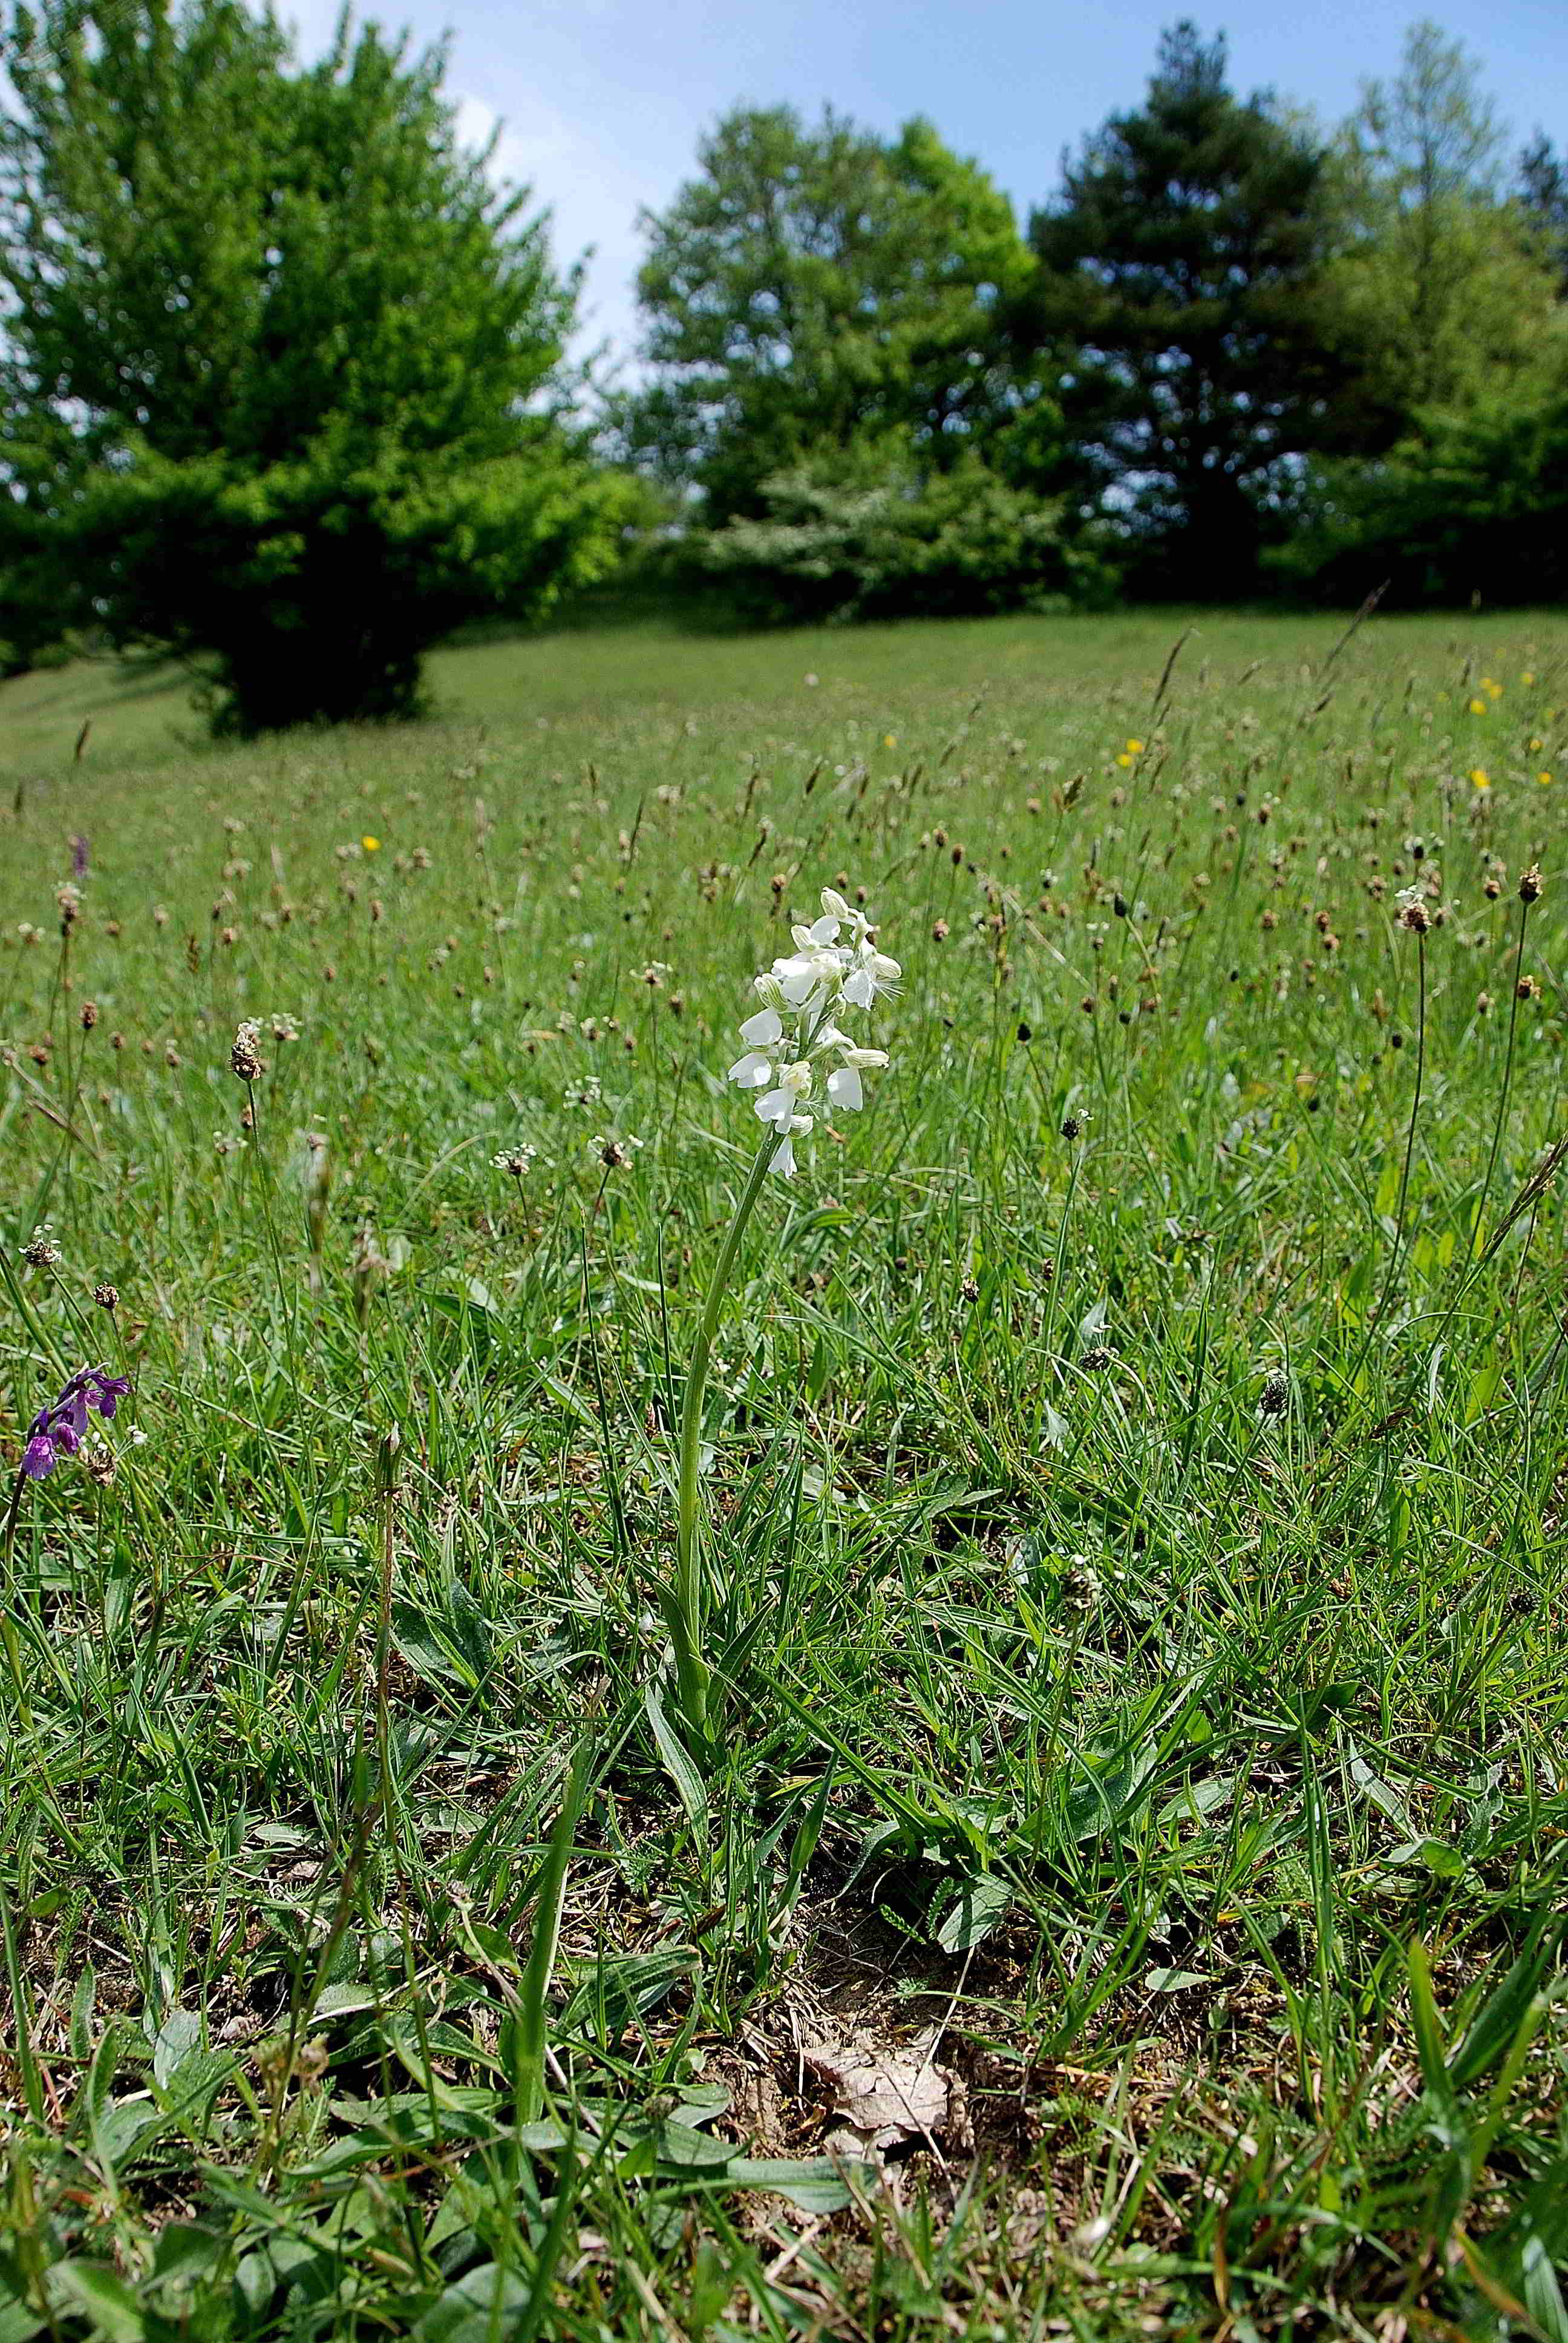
[(802, 997), (782, 1159), (858, 925), (873, 974), (803, 1003), (806, 976), (844, 1086), (822, 935), (794, 1084)]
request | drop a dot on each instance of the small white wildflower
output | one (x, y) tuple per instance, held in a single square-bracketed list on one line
[(783, 1161), (783, 1102), (844, 1083), (515, 1161), (753, 1072)]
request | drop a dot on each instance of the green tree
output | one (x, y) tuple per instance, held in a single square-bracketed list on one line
[(279, 377), (1543, 197), (1474, 502), (1441, 286), (816, 289), (1181, 258)]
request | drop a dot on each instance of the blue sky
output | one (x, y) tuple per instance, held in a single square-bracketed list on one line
[(603, 101)]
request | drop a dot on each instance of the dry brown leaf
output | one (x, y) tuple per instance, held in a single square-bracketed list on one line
[(882, 2095)]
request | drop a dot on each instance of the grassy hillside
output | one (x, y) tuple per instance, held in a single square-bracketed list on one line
[(619, 675), (1122, 1889)]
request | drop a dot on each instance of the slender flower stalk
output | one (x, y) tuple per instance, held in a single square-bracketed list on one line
[(1479, 1250), (787, 1038), (1412, 917), (1529, 892), (247, 1066)]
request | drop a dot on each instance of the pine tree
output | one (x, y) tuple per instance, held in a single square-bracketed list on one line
[(1181, 259)]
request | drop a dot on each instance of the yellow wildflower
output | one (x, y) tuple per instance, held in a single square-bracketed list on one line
[(1479, 707), (1544, 779), (371, 845), (1135, 748), (1481, 777), (889, 739), (1526, 675)]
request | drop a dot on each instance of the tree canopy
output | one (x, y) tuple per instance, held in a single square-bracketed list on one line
[(284, 398), (1181, 263), (284, 386), (817, 288), (1441, 281)]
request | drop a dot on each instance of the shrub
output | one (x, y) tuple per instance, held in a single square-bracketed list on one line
[(869, 539), (1477, 504)]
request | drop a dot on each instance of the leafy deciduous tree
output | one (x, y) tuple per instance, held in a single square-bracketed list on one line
[(1543, 195), (278, 371), (1439, 284), (865, 535), (817, 288)]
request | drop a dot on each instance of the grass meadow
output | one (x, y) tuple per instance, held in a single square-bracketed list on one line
[(1125, 1890)]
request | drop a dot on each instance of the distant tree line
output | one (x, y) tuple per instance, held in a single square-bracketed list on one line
[(1232, 354), (284, 387)]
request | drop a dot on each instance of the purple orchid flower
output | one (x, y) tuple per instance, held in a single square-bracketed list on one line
[(78, 858), (60, 1430)]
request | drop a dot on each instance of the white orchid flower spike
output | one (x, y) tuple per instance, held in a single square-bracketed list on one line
[(803, 994)]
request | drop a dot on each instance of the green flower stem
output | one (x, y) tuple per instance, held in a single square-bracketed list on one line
[(684, 1606)]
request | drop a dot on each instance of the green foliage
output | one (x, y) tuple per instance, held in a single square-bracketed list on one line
[(1181, 257), (1474, 502), (286, 402), (1450, 292), (817, 287), (869, 536), (1543, 197), (1442, 287)]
